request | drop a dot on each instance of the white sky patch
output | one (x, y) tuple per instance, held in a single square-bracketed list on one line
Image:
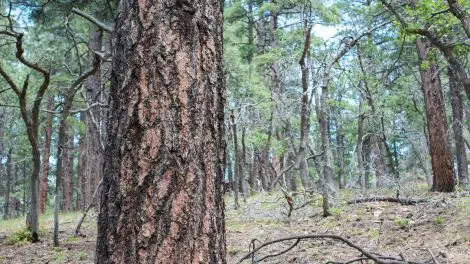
[(325, 32)]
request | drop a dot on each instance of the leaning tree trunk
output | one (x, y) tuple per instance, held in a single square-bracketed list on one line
[(457, 125), (46, 153), (162, 197), (441, 157)]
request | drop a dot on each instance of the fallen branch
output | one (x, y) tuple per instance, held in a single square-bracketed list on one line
[(377, 258), (388, 199), (77, 229)]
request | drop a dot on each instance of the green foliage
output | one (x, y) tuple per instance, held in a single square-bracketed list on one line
[(20, 236), (82, 255), (402, 223), (439, 220)]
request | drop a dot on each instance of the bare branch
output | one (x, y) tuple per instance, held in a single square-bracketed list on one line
[(371, 256), (93, 20)]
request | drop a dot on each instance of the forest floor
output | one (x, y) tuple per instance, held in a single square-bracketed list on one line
[(440, 225)]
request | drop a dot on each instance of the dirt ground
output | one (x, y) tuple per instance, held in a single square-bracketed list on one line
[(440, 226)]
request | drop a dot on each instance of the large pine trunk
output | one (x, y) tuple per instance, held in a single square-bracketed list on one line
[(441, 157), (162, 197)]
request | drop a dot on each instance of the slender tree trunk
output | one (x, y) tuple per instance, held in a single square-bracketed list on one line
[(229, 170), (359, 145), (46, 153), (236, 161), (366, 151), (94, 156), (461, 14), (457, 125), (302, 164), (6, 201), (2, 122), (340, 140), (67, 183), (441, 157), (82, 167), (242, 163), (162, 193)]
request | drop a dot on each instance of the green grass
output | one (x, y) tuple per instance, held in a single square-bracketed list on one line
[(439, 220), (402, 223), (45, 221), (17, 233)]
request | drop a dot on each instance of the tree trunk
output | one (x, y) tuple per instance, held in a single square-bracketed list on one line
[(67, 183), (82, 168), (302, 165), (359, 145), (6, 202), (340, 139), (441, 157), (229, 169), (236, 161), (461, 14), (366, 151), (94, 157), (46, 153), (457, 125), (2, 122), (161, 198)]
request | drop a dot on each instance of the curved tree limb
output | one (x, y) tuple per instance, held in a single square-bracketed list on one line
[(93, 20), (365, 253)]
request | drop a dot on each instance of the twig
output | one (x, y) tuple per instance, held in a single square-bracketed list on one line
[(433, 257), (280, 253)]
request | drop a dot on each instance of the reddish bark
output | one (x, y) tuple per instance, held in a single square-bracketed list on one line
[(67, 183), (162, 197), (441, 157), (45, 155)]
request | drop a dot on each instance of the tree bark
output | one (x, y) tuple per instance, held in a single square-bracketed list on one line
[(359, 145), (366, 151), (94, 155), (67, 183), (46, 153), (62, 142), (82, 167), (441, 157), (340, 139), (457, 125), (2, 133), (302, 165), (236, 161), (461, 14), (162, 193), (6, 205)]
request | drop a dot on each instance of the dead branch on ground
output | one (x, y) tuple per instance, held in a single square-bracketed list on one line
[(388, 199), (365, 255)]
